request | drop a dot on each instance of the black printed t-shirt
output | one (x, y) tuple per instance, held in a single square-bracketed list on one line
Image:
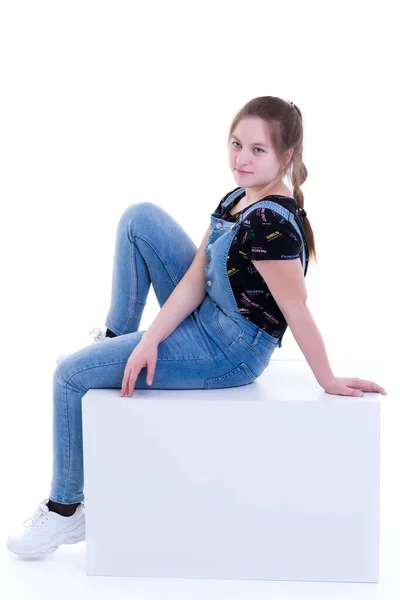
[(263, 235)]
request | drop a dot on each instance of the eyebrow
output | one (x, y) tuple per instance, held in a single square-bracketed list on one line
[(255, 143)]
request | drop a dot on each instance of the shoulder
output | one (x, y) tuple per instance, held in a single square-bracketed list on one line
[(265, 228), (265, 216)]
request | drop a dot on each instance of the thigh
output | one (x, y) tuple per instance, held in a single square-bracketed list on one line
[(167, 249), (185, 360)]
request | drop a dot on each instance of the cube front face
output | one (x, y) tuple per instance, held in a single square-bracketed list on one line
[(230, 489)]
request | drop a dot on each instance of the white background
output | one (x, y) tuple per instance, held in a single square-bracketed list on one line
[(104, 104)]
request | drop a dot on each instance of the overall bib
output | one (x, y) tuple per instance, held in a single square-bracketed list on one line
[(243, 339)]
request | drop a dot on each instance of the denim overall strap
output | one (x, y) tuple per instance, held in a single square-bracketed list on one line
[(293, 217), (232, 196), (286, 214)]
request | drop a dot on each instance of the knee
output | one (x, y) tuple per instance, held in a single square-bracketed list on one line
[(141, 217), (140, 211), (67, 371), (62, 373)]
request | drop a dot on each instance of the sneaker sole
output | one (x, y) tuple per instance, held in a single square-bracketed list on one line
[(73, 537)]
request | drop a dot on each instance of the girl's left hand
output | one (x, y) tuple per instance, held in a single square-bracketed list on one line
[(346, 386)]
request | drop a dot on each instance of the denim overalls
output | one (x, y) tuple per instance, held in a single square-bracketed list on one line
[(245, 339), (214, 347)]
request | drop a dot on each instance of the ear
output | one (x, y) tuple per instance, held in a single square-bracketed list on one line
[(288, 155)]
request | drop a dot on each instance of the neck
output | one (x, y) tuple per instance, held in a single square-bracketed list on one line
[(274, 187)]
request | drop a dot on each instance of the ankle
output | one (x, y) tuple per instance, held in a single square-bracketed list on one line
[(109, 333), (65, 510)]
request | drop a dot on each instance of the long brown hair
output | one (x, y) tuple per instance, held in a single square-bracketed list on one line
[(285, 124)]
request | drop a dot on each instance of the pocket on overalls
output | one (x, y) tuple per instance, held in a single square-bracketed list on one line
[(240, 375), (264, 341), (258, 347), (229, 330)]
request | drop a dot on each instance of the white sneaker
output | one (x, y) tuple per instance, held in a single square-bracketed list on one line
[(47, 531), (100, 337)]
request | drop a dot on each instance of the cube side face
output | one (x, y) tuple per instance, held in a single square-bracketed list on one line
[(242, 490)]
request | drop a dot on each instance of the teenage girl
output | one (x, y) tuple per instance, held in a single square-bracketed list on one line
[(225, 306)]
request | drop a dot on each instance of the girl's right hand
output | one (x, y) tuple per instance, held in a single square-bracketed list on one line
[(144, 355), (346, 386)]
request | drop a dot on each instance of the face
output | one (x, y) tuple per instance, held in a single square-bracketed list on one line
[(250, 150)]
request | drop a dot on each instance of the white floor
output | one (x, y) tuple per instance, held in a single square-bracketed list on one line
[(62, 574)]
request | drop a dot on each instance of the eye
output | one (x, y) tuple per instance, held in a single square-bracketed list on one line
[(254, 148)]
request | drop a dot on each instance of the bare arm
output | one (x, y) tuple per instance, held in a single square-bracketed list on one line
[(285, 280), (310, 342), (185, 298)]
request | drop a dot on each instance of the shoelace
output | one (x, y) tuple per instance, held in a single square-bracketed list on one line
[(101, 335), (39, 514)]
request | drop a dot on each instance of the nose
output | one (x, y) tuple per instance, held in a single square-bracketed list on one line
[(242, 161)]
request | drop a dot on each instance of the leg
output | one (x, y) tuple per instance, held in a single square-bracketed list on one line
[(185, 360), (151, 248)]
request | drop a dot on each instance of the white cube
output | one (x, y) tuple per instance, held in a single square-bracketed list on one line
[(275, 480)]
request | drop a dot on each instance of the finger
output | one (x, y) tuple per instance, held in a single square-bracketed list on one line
[(125, 381), (376, 386), (123, 386), (366, 385), (362, 384), (356, 392), (132, 381), (352, 387), (365, 382), (150, 374)]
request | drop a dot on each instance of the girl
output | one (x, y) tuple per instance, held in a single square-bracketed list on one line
[(225, 306)]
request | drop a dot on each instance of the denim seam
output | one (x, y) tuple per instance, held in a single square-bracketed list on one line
[(69, 441), (240, 368), (59, 501), (203, 333), (251, 349), (268, 345), (222, 332), (133, 268), (160, 256), (122, 362), (65, 384)]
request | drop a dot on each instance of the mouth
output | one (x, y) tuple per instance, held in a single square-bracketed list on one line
[(243, 172)]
